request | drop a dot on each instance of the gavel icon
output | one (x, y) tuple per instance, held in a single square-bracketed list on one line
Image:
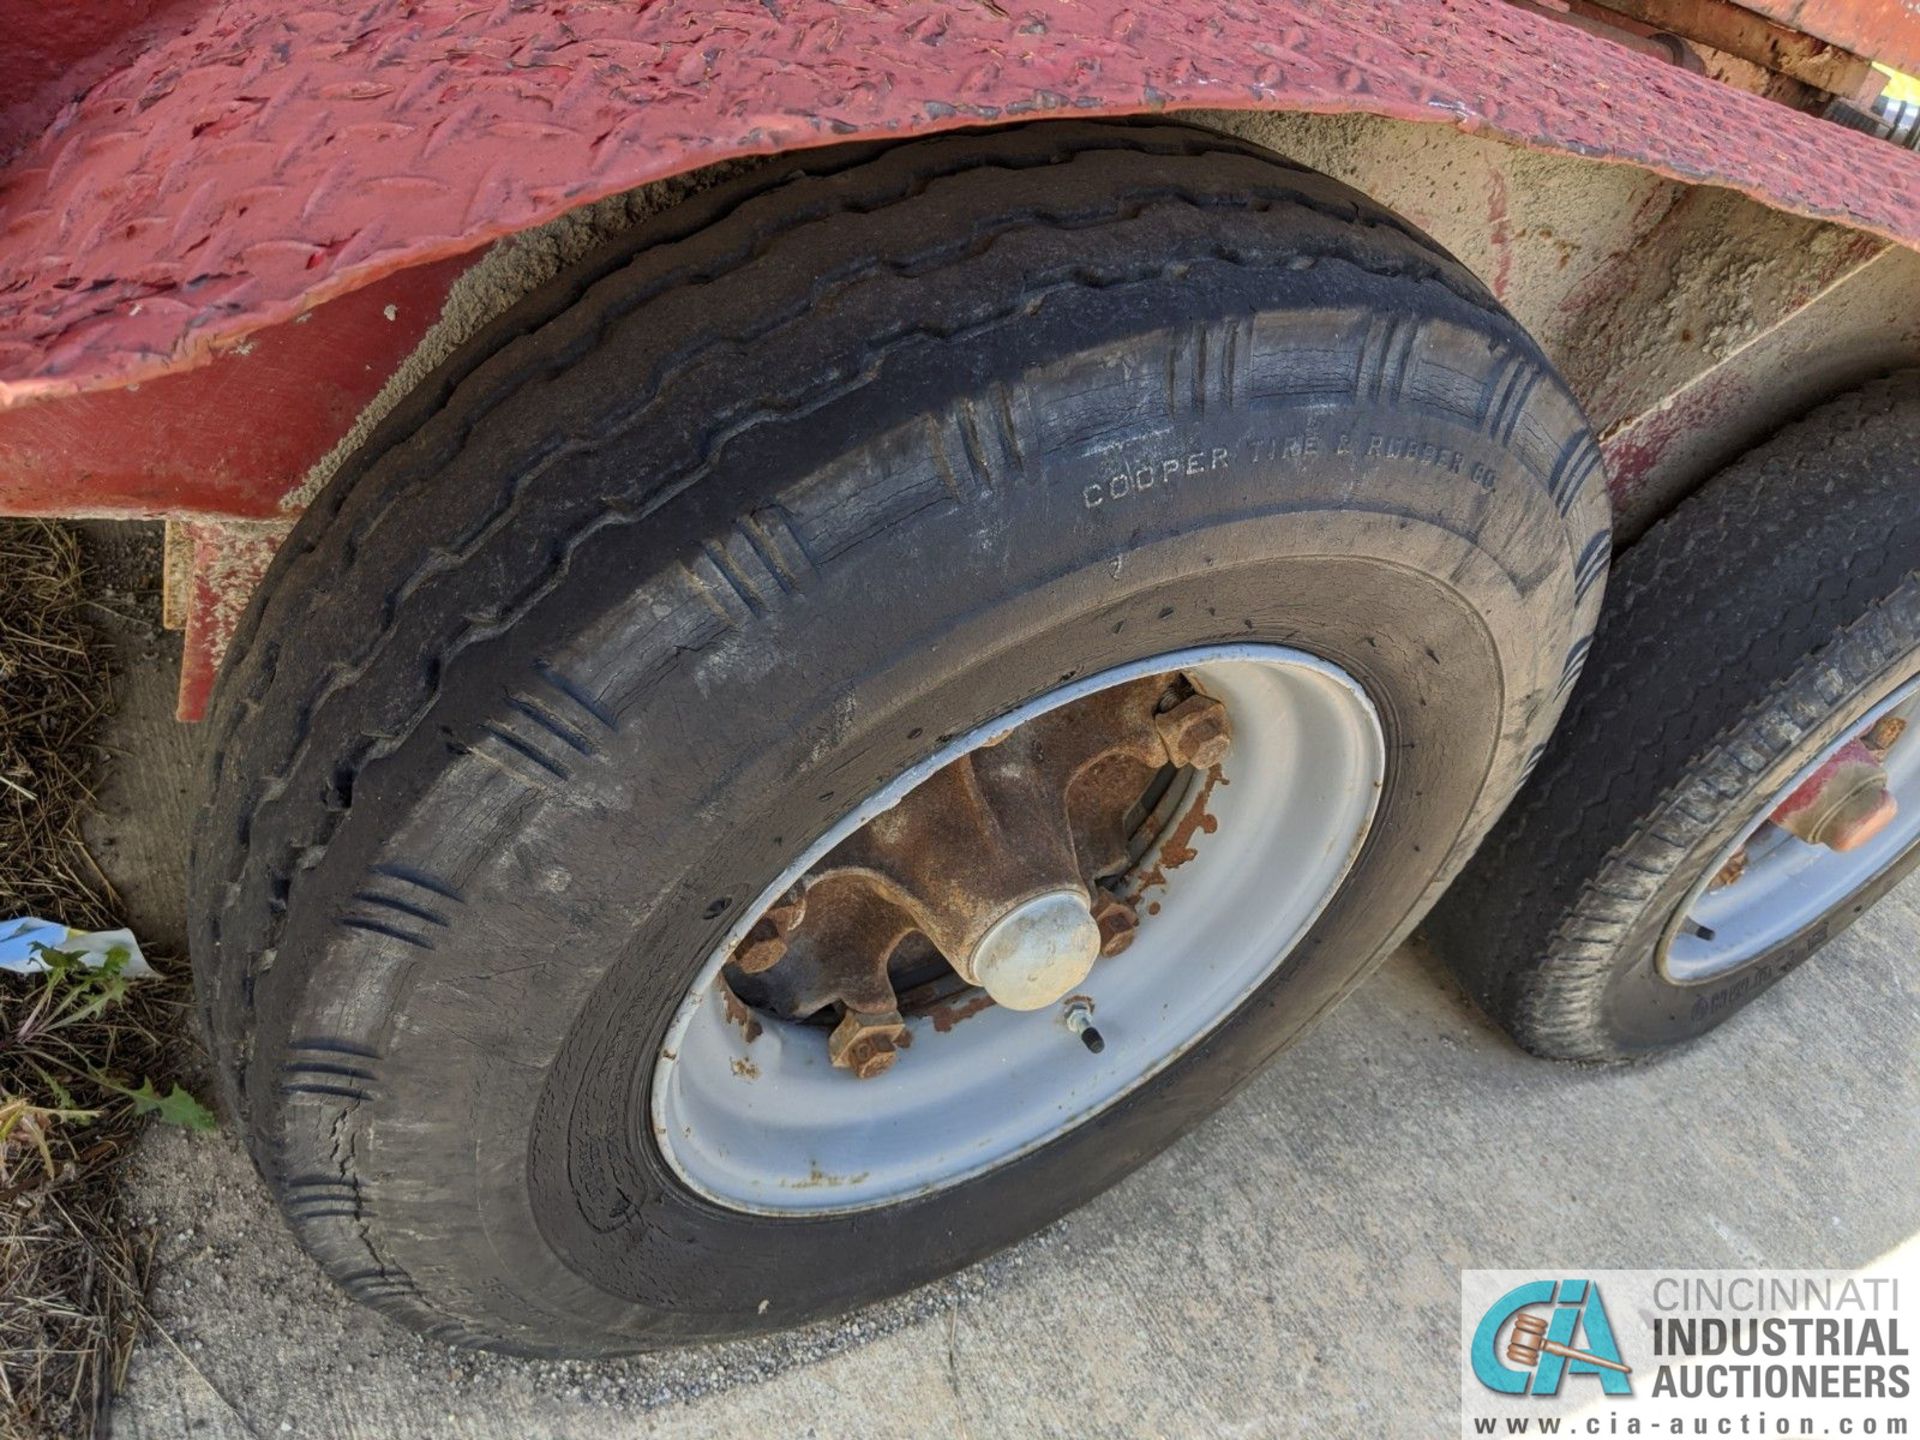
[(1529, 1342)]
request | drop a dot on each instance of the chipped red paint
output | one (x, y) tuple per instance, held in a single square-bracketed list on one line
[(272, 156), (228, 561), (232, 437), (1632, 455), (1499, 233)]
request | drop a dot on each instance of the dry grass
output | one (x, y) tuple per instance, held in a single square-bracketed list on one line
[(72, 1275), (53, 692)]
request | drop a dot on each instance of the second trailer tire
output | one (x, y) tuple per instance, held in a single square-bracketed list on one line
[(688, 567), (1638, 894)]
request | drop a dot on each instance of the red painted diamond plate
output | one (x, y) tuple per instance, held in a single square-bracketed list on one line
[(267, 156)]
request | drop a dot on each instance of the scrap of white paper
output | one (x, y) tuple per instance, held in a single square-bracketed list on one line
[(22, 940)]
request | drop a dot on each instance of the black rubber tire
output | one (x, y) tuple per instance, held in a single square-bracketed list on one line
[(713, 537), (1744, 633)]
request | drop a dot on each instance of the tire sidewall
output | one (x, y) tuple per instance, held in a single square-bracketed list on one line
[(1333, 557), (1644, 1011), (727, 667)]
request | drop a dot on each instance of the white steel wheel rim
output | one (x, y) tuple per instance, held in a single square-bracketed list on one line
[(768, 1126), (1788, 883)]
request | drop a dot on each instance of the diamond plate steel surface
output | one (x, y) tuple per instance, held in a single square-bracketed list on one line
[(267, 155)]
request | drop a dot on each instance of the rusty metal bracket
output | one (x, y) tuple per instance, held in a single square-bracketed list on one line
[(1738, 31)]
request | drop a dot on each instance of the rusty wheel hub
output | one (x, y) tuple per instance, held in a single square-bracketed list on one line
[(997, 864), (1019, 931), (1834, 828)]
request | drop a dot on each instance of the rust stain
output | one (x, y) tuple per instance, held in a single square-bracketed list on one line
[(816, 1177), (1789, 37), (950, 1013), (746, 1069), (1177, 849), (1885, 733), (739, 1014)]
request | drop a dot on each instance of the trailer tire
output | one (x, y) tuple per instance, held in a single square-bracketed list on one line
[(733, 524), (1747, 633)]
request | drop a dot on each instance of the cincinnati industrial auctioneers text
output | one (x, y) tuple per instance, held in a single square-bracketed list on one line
[(1573, 1351), (1725, 1338)]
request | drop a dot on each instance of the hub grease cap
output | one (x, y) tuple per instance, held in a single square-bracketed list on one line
[(1038, 952)]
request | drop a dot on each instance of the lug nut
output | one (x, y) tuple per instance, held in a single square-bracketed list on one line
[(759, 952), (866, 1044), (1079, 1018), (1196, 732), (1730, 872), (1117, 921), (766, 943), (1883, 735)]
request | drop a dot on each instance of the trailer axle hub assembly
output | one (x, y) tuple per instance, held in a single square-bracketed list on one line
[(994, 867)]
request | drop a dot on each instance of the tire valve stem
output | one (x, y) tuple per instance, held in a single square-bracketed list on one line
[(1079, 1018)]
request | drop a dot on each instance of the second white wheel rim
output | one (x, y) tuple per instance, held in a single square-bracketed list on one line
[(1789, 884)]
